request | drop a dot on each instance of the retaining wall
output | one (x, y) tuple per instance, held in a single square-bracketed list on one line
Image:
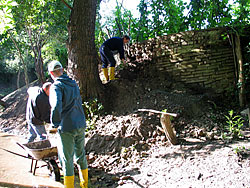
[(203, 57)]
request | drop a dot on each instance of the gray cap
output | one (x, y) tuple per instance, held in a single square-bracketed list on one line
[(54, 65)]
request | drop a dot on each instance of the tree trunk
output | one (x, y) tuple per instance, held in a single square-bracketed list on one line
[(242, 98), (25, 69), (36, 45), (18, 77), (82, 55), (39, 64)]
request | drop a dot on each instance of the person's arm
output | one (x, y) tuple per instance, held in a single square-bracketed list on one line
[(36, 111), (121, 52), (35, 106), (123, 61), (55, 99)]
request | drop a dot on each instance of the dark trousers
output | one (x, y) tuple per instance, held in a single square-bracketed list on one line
[(107, 57), (70, 147)]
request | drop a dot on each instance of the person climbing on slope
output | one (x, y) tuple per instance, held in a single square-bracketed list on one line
[(107, 50)]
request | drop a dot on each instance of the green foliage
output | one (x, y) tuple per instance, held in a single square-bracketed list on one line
[(62, 55), (6, 17), (92, 109), (128, 152), (165, 110), (234, 125), (44, 23), (119, 23), (240, 12), (206, 14), (167, 17), (141, 29), (159, 17), (6, 91), (99, 33), (239, 149), (36, 27), (246, 56), (171, 117)]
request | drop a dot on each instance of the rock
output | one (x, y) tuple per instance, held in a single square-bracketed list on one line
[(121, 182), (199, 176), (94, 179), (210, 135), (126, 177), (90, 158), (115, 178)]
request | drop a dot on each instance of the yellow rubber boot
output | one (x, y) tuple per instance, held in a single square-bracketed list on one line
[(69, 181), (112, 73), (106, 74), (83, 175)]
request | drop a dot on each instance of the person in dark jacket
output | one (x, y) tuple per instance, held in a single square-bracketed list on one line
[(67, 116), (107, 50), (38, 111)]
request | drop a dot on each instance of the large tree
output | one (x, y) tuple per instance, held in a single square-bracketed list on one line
[(82, 54)]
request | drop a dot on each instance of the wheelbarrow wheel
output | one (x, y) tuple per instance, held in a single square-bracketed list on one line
[(54, 170)]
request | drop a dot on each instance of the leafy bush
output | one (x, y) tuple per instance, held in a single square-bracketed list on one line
[(239, 149), (92, 110), (234, 125)]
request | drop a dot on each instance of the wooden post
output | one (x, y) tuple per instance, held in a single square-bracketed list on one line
[(242, 97), (166, 124), (248, 113)]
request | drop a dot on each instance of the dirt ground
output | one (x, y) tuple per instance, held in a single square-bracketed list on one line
[(196, 163), (14, 169), (128, 148)]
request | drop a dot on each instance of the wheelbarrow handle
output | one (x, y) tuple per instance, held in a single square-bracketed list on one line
[(27, 157), (20, 145)]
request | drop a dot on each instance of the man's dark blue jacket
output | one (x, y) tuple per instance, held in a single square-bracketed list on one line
[(115, 44)]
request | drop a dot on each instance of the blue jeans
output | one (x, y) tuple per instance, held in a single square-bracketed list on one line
[(70, 145), (36, 130), (107, 57)]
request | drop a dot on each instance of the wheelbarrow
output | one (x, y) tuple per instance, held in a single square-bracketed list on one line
[(44, 151)]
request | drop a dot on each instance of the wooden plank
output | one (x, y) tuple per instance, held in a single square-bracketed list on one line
[(159, 112)]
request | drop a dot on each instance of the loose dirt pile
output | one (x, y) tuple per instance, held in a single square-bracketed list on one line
[(128, 148)]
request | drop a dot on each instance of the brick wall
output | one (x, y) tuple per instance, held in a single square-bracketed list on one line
[(203, 57)]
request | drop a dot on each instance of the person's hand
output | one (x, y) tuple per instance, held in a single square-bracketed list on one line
[(124, 63)]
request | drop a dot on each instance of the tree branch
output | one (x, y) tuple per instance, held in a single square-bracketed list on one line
[(67, 4)]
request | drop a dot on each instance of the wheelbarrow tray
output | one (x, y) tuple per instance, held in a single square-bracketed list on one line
[(40, 150)]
